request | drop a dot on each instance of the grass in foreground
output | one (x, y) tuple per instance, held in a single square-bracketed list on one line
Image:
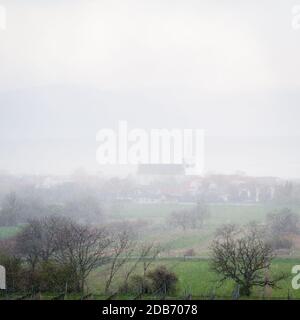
[(196, 278)]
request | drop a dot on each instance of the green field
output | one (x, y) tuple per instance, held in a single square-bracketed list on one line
[(176, 241), (220, 213), (196, 278), (7, 232)]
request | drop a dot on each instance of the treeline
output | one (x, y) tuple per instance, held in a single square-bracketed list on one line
[(16, 209), (193, 218), (56, 254), (53, 253)]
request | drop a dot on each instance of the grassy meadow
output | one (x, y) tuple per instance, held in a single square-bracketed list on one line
[(176, 241), (195, 276), (7, 232)]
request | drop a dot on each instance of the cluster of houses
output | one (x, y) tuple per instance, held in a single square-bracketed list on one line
[(157, 183)]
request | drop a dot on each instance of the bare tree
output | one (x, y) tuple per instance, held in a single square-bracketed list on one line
[(244, 257), (190, 219), (181, 219), (130, 270), (83, 248), (36, 242), (283, 222), (85, 209), (121, 251), (146, 255)]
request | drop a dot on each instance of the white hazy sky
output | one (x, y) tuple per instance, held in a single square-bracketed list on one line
[(71, 67), (134, 44)]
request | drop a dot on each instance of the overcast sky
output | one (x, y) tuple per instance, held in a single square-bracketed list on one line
[(71, 67)]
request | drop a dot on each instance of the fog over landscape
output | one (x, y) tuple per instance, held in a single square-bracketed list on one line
[(53, 129), (109, 190), (67, 72)]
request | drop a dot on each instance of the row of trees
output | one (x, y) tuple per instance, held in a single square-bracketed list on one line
[(58, 254), (16, 210), (281, 227), (193, 218), (54, 252)]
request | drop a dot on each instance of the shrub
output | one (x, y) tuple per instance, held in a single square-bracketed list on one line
[(163, 280), (53, 277), (139, 284), (15, 280)]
